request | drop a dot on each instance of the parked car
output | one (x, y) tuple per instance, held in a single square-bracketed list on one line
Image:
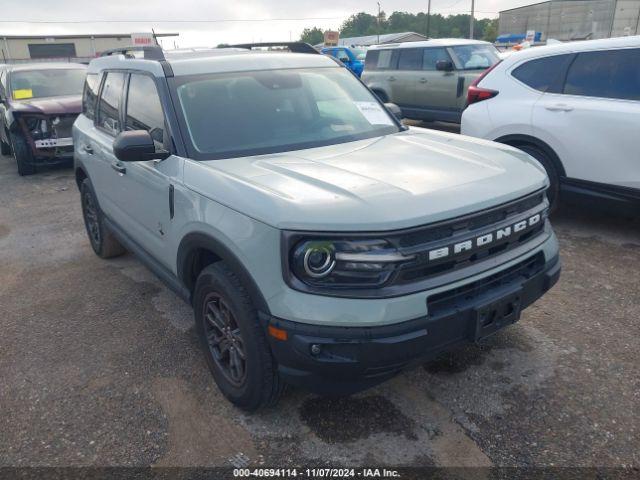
[(38, 105), (320, 242), (353, 58), (428, 80), (575, 107)]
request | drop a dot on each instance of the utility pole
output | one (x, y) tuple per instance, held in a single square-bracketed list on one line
[(378, 23), (428, 18), (471, 19)]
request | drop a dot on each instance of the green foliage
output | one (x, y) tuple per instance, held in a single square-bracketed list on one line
[(490, 32), (312, 36), (440, 26)]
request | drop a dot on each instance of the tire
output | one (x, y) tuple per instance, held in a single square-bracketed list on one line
[(221, 302), (553, 193), (22, 154), (102, 240), (381, 96)]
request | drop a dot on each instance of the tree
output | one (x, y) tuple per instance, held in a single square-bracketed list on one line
[(490, 32), (312, 36), (360, 24)]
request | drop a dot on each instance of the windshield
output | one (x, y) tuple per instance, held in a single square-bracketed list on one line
[(47, 83), (252, 113), (475, 57), (359, 53)]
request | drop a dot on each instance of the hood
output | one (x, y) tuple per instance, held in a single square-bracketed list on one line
[(402, 180), (49, 105)]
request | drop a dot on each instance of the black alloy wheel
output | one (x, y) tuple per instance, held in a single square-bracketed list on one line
[(224, 339)]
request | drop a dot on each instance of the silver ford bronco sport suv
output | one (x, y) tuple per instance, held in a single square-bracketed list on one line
[(320, 242)]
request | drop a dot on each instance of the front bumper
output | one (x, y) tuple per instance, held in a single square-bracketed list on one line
[(344, 360)]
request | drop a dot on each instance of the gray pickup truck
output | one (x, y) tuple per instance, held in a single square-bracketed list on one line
[(320, 242)]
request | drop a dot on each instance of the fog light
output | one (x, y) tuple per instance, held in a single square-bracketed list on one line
[(315, 349)]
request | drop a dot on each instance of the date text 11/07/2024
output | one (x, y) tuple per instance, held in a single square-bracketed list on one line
[(316, 472)]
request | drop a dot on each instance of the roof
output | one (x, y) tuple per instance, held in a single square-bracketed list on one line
[(98, 35), (217, 60), (435, 42), (569, 47), (45, 66), (375, 39)]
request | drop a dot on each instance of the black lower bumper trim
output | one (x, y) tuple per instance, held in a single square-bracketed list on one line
[(345, 360)]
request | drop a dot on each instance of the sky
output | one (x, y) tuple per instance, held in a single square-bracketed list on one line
[(208, 23)]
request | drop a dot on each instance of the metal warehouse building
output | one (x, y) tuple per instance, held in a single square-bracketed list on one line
[(573, 19), (75, 48)]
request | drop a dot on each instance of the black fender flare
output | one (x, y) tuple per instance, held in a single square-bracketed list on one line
[(516, 139), (196, 241)]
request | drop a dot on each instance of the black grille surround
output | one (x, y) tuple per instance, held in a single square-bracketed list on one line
[(421, 273)]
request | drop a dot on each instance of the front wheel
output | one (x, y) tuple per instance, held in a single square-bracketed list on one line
[(234, 343), (22, 154)]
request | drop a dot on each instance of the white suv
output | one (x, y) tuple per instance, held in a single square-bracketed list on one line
[(575, 107)]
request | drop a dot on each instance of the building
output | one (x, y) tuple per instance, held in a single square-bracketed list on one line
[(381, 39), (573, 19), (70, 48)]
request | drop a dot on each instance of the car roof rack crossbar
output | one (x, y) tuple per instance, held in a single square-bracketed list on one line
[(151, 52), (294, 47)]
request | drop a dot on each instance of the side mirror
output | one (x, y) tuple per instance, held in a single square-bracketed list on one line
[(137, 146), (444, 65), (395, 110)]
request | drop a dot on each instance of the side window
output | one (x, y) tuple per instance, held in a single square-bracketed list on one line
[(605, 74), (109, 104), (144, 110), (90, 95), (371, 60), (410, 59), (384, 60), (544, 74), (431, 56), (342, 55)]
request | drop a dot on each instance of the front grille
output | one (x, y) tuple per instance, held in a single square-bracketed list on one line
[(420, 241), (451, 299)]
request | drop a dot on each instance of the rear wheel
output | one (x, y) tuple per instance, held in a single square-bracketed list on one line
[(103, 242), (553, 192), (234, 343), (22, 154), (381, 95)]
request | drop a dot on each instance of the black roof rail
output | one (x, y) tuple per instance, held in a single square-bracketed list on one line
[(151, 52), (294, 47)]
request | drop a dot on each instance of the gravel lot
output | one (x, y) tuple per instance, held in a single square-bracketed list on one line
[(100, 365)]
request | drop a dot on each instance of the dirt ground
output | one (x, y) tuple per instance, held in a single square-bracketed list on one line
[(99, 365)]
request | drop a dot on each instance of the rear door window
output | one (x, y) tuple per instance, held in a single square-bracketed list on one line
[(605, 74), (410, 59), (544, 74), (431, 56), (144, 110), (108, 117)]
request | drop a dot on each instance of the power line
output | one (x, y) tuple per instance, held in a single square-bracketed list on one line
[(173, 21)]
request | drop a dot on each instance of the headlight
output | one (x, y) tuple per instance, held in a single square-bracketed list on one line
[(344, 263)]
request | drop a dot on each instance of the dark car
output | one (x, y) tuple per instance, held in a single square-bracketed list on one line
[(38, 105)]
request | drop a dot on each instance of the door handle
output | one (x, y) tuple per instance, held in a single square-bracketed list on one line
[(392, 79), (88, 149), (423, 80), (118, 167), (559, 107)]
